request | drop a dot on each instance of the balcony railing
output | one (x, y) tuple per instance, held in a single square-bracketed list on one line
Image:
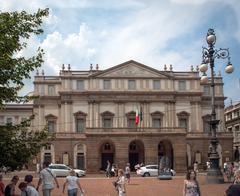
[(142, 130)]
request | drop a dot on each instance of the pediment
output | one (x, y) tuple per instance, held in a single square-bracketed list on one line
[(132, 69)]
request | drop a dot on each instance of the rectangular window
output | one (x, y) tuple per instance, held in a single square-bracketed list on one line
[(206, 90), (236, 114), (156, 123), (156, 84), (131, 84), (80, 125), (51, 90), (106, 84), (107, 123), (182, 85), (80, 85), (237, 128), (51, 126), (183, 123), (131, 123), (48, 147)]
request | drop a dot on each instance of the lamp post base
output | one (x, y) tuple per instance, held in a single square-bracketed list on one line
[(214, 176)]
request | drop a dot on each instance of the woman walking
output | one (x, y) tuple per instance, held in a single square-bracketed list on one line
[(73, 184), (121, 183), (191, 186)]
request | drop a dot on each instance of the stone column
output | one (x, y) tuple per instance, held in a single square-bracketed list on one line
[(65, 117), (148, 117)]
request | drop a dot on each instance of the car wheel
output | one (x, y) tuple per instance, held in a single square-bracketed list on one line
[(146, 174)]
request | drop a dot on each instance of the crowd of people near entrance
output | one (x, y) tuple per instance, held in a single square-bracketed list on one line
[(48, 182)]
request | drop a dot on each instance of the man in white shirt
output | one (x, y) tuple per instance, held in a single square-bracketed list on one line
[(47, 180), (31, 191)]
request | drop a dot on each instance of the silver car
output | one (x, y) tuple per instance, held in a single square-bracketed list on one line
[(151, 170), (63, 170)]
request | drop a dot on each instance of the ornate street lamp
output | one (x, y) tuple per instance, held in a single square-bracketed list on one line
[(209, 54)]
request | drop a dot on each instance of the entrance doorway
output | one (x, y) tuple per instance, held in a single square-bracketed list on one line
[(80, 161), (136, 153), (107, 154), (165, 149), (47, 158)]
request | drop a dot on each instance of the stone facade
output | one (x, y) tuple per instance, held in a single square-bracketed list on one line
[(232, 121), (93, 114)]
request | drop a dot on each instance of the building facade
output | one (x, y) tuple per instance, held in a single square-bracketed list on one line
[(232, 122), (93, 115)]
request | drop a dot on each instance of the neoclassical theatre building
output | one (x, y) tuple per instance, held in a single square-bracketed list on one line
[(93, 114)]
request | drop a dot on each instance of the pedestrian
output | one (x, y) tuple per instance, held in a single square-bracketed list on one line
[(225, 167), (234, 189), (10, 188), (195, 166), (31, 191), (73, 184), (47, 180), (23, 187), (108, 169), (121, 183), (127, 172), (191, 186), (229, 172), (2, 186)]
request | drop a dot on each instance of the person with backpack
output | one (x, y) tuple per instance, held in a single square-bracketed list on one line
[(47, 180)]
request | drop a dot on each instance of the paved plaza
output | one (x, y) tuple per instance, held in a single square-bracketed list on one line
[(98, 185)]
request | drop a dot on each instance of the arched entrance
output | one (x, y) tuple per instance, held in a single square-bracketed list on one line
[(136, 153), (107, 152), (165, 149)]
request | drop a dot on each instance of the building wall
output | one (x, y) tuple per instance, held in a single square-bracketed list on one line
[(179, 95)]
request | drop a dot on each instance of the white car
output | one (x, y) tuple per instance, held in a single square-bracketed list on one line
[(63, 170), (151, 170)]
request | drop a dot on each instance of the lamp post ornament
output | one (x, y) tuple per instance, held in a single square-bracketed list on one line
[(209, 55)]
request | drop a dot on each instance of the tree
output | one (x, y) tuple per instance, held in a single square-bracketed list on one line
[(15, 29), (18, 143)]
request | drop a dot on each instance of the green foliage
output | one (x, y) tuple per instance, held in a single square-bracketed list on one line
[(18, 145), (15, 29)]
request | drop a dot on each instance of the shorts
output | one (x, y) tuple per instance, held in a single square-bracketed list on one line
[(128, 176), (46, 192), (72, 192)]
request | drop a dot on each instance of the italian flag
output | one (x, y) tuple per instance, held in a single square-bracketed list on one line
[(137, 117)]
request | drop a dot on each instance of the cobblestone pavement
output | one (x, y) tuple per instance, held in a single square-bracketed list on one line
[(98, 185)]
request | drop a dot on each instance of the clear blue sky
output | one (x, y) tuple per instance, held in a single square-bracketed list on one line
[(153, 32)]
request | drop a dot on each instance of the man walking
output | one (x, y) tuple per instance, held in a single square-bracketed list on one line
[(47, 180)]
